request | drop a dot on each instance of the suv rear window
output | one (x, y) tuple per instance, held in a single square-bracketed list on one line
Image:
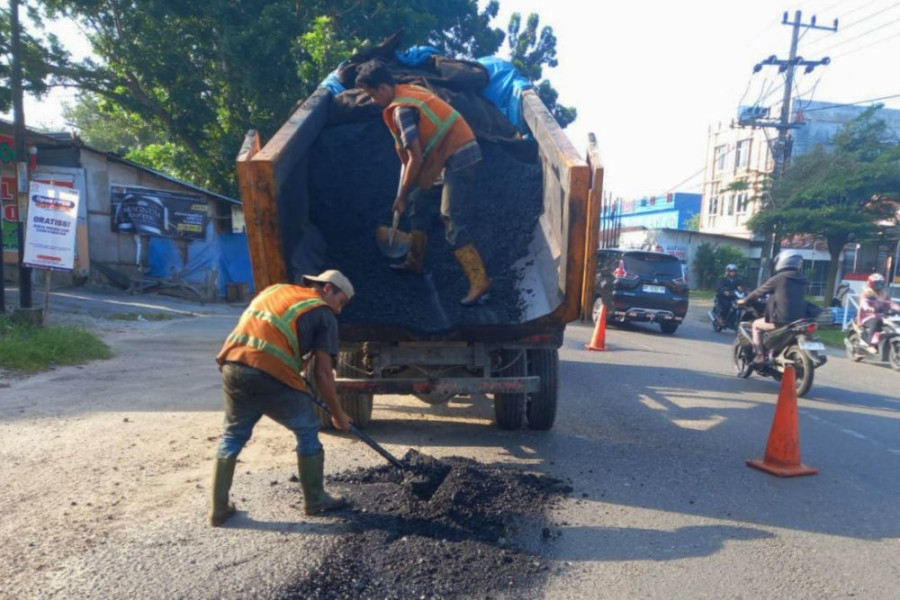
[(653, 265)]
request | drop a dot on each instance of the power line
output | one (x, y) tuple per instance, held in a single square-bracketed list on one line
[(844, 28), (875, 43), (852, 103), (882, 26)]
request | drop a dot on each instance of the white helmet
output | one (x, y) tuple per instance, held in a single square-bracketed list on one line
[(876, 281)]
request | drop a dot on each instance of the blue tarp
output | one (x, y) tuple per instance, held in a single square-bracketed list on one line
[(415, 56), (228, 253), (505, 89)]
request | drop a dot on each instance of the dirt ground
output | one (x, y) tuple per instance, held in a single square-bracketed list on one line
[(105, 470)]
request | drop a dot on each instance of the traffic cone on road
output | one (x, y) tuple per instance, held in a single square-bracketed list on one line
[(783, 448), (598, 340)]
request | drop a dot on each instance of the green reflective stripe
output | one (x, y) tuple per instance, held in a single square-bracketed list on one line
[(269, 290), (280, 324), (442, 126), (264, 346)]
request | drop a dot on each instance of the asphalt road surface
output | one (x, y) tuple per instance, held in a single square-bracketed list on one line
[(106, 470)]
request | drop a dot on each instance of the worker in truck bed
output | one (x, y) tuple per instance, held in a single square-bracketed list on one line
[(262, 364), (430, 137)]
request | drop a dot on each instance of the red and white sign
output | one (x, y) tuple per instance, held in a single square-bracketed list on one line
[(11, 212)]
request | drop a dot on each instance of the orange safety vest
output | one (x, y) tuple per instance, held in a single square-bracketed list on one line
[(442, 131), (266, 338)]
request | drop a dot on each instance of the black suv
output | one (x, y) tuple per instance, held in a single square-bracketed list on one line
[(636, 285)]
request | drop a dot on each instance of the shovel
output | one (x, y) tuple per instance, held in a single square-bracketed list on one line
[(392, 243), (424, 481)]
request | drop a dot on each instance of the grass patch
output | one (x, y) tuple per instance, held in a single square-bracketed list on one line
[(831, 336), (27, 348), (130, 316)]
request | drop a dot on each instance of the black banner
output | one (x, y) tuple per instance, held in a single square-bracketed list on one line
[(163, 213)]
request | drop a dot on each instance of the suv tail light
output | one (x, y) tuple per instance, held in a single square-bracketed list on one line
[(621, 273), (811, 328)]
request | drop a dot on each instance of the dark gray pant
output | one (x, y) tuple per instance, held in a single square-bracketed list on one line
[(453, 195)]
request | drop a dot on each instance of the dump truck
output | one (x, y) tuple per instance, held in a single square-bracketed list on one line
[(320, 190)]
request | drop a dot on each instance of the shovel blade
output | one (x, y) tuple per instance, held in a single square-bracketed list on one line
[(395, 248)]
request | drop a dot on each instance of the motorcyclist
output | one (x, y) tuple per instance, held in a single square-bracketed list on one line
[(725, 292), (874, 305), (787, 298)]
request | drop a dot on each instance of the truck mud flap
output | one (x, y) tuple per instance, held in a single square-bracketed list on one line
[(449, 386)]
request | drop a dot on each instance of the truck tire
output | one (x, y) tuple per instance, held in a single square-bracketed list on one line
[(541, 406), (509, 409), (357, 406)]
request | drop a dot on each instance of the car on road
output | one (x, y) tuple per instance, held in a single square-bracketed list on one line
[(638, 285)]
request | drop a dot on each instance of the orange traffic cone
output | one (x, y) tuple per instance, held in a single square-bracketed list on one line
[(783, 448), (598, 340)]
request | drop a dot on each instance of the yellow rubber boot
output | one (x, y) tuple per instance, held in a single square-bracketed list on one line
[(415, 258), (471, 263), (312, 475), (221, 508)]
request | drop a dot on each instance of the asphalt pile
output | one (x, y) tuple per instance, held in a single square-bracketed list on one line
[(475, 537), (353, 176)]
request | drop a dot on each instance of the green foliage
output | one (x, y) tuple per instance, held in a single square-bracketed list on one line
[(529, 52), (693, 222), (27, 348), (840, 195), (710, 261), (40, 53), (198, 75)]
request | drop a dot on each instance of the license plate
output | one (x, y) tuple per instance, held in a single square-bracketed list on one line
[(654, 289), (819, 346)]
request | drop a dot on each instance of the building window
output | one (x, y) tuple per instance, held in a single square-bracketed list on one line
[(721, 153), (742, 154), (713, 205), (730, 207), (743, 203)]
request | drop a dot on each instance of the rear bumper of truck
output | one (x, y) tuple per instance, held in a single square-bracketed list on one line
[(448, 386)]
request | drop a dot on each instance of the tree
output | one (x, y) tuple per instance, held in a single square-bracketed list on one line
[(710, 261), (200, 74), (529, 52), (840, 195), (38, 55)]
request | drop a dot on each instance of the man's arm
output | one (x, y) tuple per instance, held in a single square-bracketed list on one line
[(324, 375), (766, 288)]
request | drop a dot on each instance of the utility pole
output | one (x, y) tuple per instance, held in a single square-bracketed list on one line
[(783, 144), (19, 136)]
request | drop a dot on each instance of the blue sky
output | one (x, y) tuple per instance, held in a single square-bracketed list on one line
[(649, 78)]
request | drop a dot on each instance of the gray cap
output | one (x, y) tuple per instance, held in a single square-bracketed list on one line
[(335, 278)]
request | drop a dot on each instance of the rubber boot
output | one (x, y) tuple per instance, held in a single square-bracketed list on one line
[(312, 474), (221, 508), (415, 258), (471, 263)]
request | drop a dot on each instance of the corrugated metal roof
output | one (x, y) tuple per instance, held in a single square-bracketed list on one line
[(69, 138)]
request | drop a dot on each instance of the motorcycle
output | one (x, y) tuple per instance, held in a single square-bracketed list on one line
[(885, 345), (793, 344), (734, 315)]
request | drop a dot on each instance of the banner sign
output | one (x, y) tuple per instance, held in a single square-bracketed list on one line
[(7, 149), (50, 227), (161, 213)]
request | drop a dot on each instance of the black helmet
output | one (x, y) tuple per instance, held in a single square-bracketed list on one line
[(788, 259)]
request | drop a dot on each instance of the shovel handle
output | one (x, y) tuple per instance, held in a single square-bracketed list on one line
[(362, 435)]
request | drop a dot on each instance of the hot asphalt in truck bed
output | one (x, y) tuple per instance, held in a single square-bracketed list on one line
[(353, 182), (474, 538)]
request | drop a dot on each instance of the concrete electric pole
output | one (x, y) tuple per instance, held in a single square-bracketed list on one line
[(782, 145)]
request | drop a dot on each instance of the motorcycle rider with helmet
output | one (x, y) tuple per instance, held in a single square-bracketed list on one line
[(725, 292), (874, 305), (787, 299)]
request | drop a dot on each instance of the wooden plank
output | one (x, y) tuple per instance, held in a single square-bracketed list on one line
[(288, 146), (258, 209), (566, 186), (592, 225)]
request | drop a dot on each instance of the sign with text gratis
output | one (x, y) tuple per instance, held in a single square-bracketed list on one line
[(50, 228)]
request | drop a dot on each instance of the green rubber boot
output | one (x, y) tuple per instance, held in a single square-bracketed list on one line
[(221, 508), (312, 473)]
